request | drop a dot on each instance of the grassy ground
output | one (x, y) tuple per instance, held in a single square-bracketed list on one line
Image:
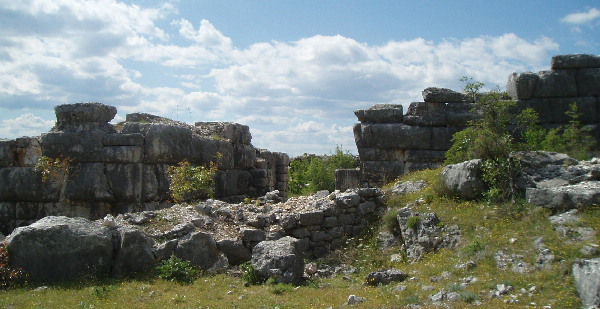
[(485, 228)]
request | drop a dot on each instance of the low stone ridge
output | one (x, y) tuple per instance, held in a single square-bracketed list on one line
[(381, 113), (386, 276), (211, 234), (123, 168)]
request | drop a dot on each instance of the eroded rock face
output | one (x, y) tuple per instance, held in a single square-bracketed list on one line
[(442, 95), (200, 249), (464, 179), (422, 233), (279, 259), (56, 248)]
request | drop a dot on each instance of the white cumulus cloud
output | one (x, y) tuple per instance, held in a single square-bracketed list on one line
[(581, 18)]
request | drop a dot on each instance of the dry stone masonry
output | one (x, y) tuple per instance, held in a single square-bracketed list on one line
[(123, 168), (391, 143)]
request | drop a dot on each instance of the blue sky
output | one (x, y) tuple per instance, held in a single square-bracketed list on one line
[(294, 71)]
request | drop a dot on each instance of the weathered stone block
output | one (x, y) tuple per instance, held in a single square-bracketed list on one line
[(442, 95), (375, 154), (243, 156), (200, 249), (441, 138), (459, 114), (347, 179), (155, 184), (381, 172), (521, 86), (25, 184), (424, 156), (7, 152), (575, 61), (27, 210), (133, 139), (7, 217), (78, 147), (426, 114), (232, 182), (252, 235), (380, 113), (366, 208), (122, 154), (540, 105), (235, 251), (124, 179), (85, 112), (311, 218), (27, 151), (396, 136), (555, 84), (410, 167), (330, 222), (586, 106), (87, 182), (300, 232), (588, 82)]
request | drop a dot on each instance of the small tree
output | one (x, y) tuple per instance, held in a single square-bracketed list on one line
[(191, 182), (471, 87)]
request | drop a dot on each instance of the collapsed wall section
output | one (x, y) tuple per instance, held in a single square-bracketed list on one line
[(123, 168), (391, 143)]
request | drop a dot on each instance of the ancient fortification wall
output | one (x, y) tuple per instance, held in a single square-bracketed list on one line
[(391, 143), (123, 168)]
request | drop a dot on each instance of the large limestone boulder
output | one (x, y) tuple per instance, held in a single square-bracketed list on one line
[(84, 117), (464, 179), (587, 278), (56, 248), (521, 86), (279, 259), (380, 113), (134, 252), (201, 250)]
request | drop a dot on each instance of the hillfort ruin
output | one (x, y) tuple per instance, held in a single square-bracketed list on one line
[(123, 168)]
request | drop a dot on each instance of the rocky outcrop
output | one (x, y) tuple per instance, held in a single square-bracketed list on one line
[(422, 233), (391, 143), (279, 259), (123, 168), (383, 277), (211, 235)]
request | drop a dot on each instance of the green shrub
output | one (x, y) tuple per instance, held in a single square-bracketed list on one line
[(413, 222), (468, 296), (189, 182), (49, 167), (176, 269), (311, 173), (474, 247), (390, 221), (250, 275)]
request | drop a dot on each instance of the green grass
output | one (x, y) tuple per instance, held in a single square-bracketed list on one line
[(486, 229)]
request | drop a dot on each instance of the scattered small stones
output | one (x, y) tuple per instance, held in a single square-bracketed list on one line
[(400, 288)]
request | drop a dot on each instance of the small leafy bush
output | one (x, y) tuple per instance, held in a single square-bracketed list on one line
[(250, 275), (190, 182), (176, 269), (9, 277), (413, 222), (474, 247), (49, 167), (468, 296), (311, 173)]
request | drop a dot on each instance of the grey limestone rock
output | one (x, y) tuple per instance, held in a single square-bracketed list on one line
[(442, 95), (426, 114), (279, 259), (575, 61), (56, 248), (82, 117), (235, 251), (134, 252), (464, 179), (408, 187), (521, 86), (552, 84), (200, 249), (381, 113), (587, 279)]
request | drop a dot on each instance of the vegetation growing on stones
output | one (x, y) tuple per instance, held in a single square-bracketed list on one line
[(176, 269), (189, 182), (498, 133), (311, 173), (51, 167), (9, 277), (250, 275)]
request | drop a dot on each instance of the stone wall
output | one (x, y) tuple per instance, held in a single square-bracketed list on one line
[(123, 168), (391, 143)]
